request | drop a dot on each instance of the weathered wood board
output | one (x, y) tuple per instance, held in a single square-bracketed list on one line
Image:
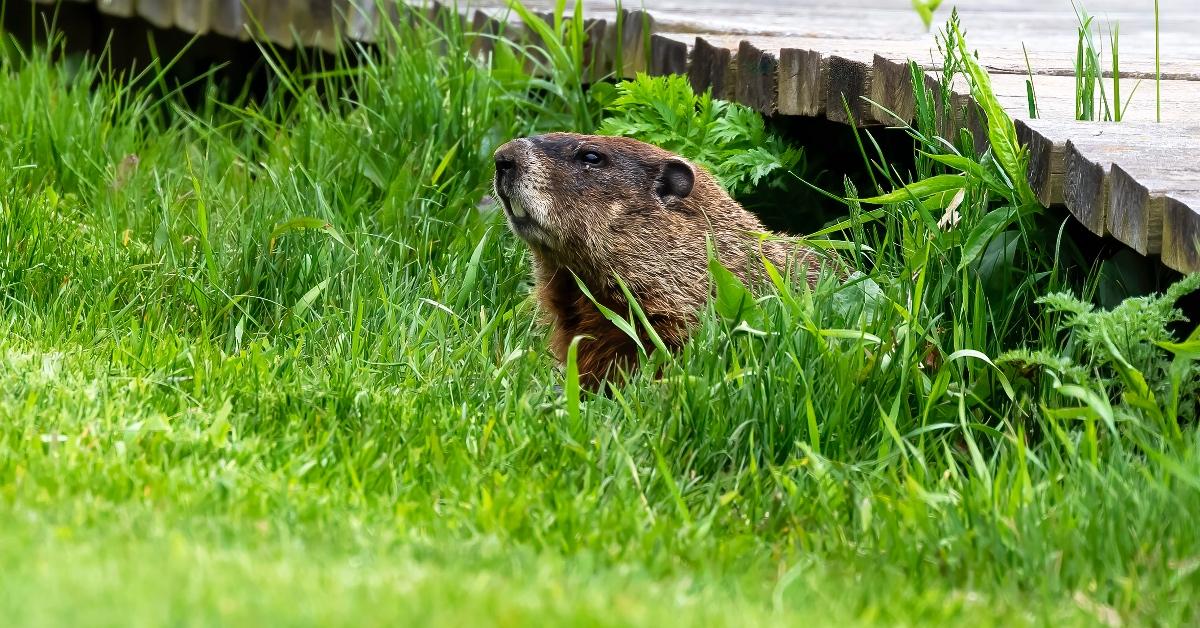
[(849, 61), (1117, 179)]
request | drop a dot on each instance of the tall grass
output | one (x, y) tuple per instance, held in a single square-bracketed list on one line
[(1089, 72), (277, 361)]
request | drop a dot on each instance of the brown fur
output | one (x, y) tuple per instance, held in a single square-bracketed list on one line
[(643, 214)]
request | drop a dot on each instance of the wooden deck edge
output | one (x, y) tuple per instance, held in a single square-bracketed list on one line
[(1118, 184), (1181, 233)]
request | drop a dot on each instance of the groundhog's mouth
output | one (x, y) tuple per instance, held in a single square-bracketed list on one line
[(518, 216)]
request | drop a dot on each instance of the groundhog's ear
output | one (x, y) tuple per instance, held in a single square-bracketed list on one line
[(676, 179)]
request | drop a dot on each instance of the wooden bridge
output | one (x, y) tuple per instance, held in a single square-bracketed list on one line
[(1137, 180)]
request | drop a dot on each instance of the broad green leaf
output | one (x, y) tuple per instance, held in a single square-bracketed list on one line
[(1002, 135), (969, 167), (1096, 402), (993, 223), (1188, 350), (733, 298), (859, 298), (921, 189)]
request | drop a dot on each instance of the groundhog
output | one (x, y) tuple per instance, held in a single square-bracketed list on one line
[(601, 207)]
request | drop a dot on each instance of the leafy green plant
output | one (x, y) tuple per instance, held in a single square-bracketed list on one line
[(728, 139), (1134, 332), (1119, 371)]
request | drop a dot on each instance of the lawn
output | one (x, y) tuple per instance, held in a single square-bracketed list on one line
[(274, 360)]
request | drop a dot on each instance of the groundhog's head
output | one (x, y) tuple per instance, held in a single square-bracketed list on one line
[(564, 192)]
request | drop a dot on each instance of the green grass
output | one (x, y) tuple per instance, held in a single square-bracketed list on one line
[(284, 367)]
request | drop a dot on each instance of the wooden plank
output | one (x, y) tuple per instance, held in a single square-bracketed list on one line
[(1050, 43), (310, 23), (599, 48), (193, 15), (1138, 193), (667, 56), (228, 18), (1073, 172), (814, 82), (326, 23), (1085, 186), (1056, 99), (118, 8), (636, 27), (792, 81), (256, 14), (601, 40), (298, 27), (1056, 93), (848, 81), (275, 22), (441, 16), (1181, 233), (998, 31), (757, 76), (891, 91), (1010, 21), (362, 20), (807, 58), (484, 29), (160, 13), (711, 67), (1110, 178), (1134, 215), (1046, 163), (800, 82)]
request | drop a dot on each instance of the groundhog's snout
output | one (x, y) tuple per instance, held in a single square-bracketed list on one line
[(505, 160), (510, 160), (517, 172)]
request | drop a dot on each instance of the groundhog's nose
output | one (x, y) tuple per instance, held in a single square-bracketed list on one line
[(506, 158)]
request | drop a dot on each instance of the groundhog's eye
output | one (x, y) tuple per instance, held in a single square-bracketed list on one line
[(590, 157)]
